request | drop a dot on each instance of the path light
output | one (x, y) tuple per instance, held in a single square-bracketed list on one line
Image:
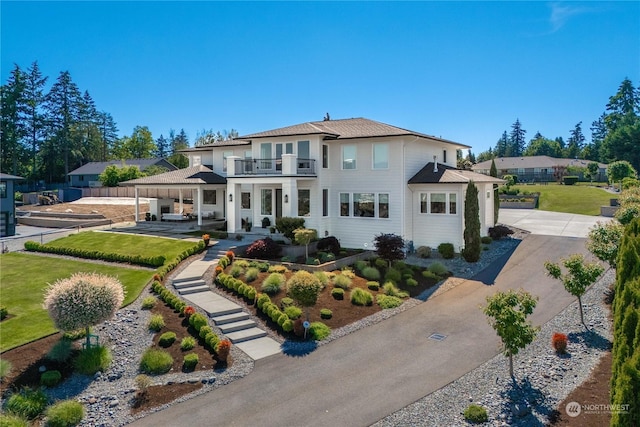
[(231, 197), (286, 198)]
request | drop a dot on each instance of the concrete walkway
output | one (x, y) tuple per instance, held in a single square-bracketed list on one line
[(550, 223), (371, 373)]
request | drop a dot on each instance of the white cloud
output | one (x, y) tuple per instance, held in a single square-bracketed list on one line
[(560, 14)]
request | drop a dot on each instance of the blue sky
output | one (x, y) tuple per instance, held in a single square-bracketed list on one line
[(460, 70)]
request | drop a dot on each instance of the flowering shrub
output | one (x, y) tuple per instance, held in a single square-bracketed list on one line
[(263, 249), (205, 237), (218, 269), (83, 300), (559, 342), (188, 311), (230, 255), (222, 350)]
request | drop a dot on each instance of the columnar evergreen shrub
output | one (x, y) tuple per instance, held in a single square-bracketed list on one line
[(472, 244), (493, 171), (83, 300)]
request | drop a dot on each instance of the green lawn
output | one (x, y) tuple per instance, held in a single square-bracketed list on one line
[(126, 244), (23, 278), (569, 198)]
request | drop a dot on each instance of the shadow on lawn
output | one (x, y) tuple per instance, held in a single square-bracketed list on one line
[(298, 348)]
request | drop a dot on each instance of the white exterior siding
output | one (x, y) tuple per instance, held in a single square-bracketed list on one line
[(432, 229)]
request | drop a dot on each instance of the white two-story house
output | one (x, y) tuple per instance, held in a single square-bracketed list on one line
[(351, 178)]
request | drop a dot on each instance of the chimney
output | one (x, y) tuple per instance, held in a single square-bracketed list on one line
[(435, 164)]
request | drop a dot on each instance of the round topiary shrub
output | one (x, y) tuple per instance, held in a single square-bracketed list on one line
[(50, 378), (287, 326), (412, 282), (206, 329), (337, 293), (156, 361), (198, 321), (325, 313), (476, 414), (373, 285), (361, 297), (319, 331), (190, 361), (156, 323), (286, 302), (65, 414), (438, 268), (167, 339), (293, 312), (371, 273), (446, 250), (272, 284), (187, 343), (423, 251)]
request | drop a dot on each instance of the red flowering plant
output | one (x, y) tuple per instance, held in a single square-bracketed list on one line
[(188, 311), (559, 342), (222, 350), (230, 255)]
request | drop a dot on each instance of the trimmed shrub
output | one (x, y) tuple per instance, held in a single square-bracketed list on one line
[(371, 273), (156, 322), (287, 326), (446, 250), (559, 342), (361, 297), (293, 312), (373, 285), (337, 293), (427, 274), (499, 231), (476, 414), (28, 403), (92, 360), (50, 378), (263, 249), (212, 340), (282, 269), (187, 343), (325, 313), (329, 244), (61, 351), (438, 268), (319, 331), (188, 311), (272, 284), (393, 275), (412, 282), (281, 319), (423, 251), (304, 288), (286, 302), (198, 320), (486, 240), (149, 302), (472, 247), (190, 361), (386, 301), (287, 225), (204, 330), (236, 271), (342, 281), (361, 265), (222, 350), (65, 414), (155, 361), (570, 180), (167, 339), (251, 274), (262, 299)]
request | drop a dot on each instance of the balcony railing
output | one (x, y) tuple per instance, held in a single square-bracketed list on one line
[(275, 166)]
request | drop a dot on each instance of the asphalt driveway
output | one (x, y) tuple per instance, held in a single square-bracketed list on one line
[(369, 374)]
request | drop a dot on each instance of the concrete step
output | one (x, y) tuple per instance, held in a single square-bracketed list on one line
[(229, 318), (188, 284), (237, 326), (185, 278), (194, 290), (246, 335)]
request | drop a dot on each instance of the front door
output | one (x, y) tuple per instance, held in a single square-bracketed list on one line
[(278, 203)]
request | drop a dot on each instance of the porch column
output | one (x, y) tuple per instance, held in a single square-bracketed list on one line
[(180, 200), (137, 215), (199, 206), (233, 210), (290, 196)]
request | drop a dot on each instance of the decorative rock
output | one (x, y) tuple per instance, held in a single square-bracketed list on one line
[(42, 368)]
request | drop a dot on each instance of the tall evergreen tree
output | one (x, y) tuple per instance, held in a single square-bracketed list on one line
[(502, 145), (178, 142), (34, 117), (622, 121), (575, 143), (108, 134), (472, 243), (86, 132), (12, 128), (162, 147), (623, 107), (61, 105), (517, 140)]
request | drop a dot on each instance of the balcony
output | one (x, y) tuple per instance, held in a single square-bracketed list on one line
[(289, 164)]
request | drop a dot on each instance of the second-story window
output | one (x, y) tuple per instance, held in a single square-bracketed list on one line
[(380, 156), (325, 156), (349, 153), (225, 154), (197, 161)]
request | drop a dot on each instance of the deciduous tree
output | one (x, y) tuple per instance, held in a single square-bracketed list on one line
[(389, 247)]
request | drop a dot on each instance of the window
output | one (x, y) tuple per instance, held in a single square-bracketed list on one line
[(444, 156), (380, 156), (325, 202), (438, 203), (383, 205), (81, 177), (349, 156), (225, 154), (3, 190), (363, 205), (325, 156), (209, 197), (248, 165), (304, 202), (245, 200), (197, 161), (266, 202), (265, 154), (344, 204)]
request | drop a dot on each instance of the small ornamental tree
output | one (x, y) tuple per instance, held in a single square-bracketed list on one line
[(604, 240), (304, 288), (304, 236), (83, 300), (580, 276), (493, 171), (593, 170), (389, 247), (472, 243), (507, 312), (619, 170)]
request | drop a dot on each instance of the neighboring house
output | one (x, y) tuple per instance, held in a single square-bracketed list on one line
[(7, 204), (351, 178), (536, 168), (88, 175)]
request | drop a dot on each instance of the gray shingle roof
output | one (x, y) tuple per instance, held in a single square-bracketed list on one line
[(343, 129), (194, 175), (7, 177), (528, 162), (96, 168), (450, 175)]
